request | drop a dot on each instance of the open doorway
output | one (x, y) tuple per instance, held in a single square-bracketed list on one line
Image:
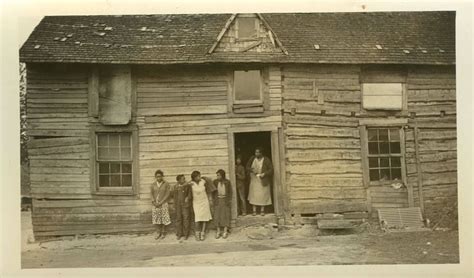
[(245, 144)]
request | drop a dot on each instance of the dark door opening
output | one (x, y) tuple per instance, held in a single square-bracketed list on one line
[(245, 144)]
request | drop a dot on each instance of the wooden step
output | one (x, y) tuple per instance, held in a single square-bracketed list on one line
[(337, 224)]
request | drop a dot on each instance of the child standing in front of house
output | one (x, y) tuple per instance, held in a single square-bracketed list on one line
[(240, 180), (160, 192), (182, 196), (222, 203)]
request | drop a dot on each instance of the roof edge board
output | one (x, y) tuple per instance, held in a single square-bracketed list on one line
[(221, 34)]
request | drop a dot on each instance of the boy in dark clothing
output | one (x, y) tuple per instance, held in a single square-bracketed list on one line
[(182, 195), (240, 180)]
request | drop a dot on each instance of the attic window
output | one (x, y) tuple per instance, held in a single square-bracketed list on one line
[(246, 28)]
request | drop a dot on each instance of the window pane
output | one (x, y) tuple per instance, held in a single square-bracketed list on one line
[(246, 27), (103, 168), (385, 174), (103, 153), (374, 175), (126, 154), (373, 148), (395, 147), (396, 173), (247, 85), (384, 162), (125, 140), (114, 153), (395, 162), (372, 135), (383, 135), (114, 140), (384, 148), (104, 180), (102, 140), (115, 168), (126, 180), (373, 162), (126, 168), (394, 135), (114, 180)]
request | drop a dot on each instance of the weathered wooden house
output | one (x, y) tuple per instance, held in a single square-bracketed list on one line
[(356, 110)]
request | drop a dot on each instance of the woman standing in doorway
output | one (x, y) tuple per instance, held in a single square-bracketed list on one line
[(260, 169)]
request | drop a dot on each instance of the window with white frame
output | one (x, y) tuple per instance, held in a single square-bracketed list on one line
[(382, 96), (384, 154), (247, 86), (114, 162)]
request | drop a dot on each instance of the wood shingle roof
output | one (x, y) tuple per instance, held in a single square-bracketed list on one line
[(341, 38)]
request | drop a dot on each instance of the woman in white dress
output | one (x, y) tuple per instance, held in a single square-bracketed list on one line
[(260, 170), (201, 190)]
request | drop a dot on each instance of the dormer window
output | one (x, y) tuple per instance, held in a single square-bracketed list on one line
[(246, 28)]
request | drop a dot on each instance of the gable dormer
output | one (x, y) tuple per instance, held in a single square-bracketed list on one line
[(247, 33)]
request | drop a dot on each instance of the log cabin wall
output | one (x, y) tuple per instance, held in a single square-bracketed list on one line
[(322, 115), (183, 116), (323, 149), (59, 151), (432, 97)]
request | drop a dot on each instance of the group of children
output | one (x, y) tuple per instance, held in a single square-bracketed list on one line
[(195, 198)]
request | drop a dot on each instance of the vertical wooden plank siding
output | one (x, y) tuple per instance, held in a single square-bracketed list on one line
[(419, 170), (230, 144), (284, 184), (276, 173), (365, 165), (404, 171), (93, 93)]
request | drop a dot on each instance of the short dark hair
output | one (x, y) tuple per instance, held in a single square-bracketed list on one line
[(159, 172), (259, 148), (195, 174), (221, 172), (179, 177)]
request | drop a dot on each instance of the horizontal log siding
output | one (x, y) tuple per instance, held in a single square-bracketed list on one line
[(432, 90), (59, 151), (323, 150), (188, 135), (323, 153)]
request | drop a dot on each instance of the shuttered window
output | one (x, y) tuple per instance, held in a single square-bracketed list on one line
[(247, 86), (382, 96)]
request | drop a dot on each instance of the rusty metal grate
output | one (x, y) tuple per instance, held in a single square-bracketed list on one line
[(400, 218)]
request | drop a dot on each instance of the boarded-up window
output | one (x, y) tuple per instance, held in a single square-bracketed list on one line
[(246, 27), (247, 87), (383, 96), (114, 160), (385, 154), (115, 95)]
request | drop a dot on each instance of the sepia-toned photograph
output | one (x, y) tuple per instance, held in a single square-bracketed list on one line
[(239, 139)]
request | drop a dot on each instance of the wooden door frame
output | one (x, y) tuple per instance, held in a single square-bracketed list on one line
[(277, 174)]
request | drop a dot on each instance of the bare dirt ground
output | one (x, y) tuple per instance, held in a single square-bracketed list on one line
[(252, 246)]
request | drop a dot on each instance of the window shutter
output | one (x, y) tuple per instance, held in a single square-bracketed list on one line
[(115, 91)]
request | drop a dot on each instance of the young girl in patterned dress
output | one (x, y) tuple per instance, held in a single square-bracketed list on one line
[(160, 192)]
